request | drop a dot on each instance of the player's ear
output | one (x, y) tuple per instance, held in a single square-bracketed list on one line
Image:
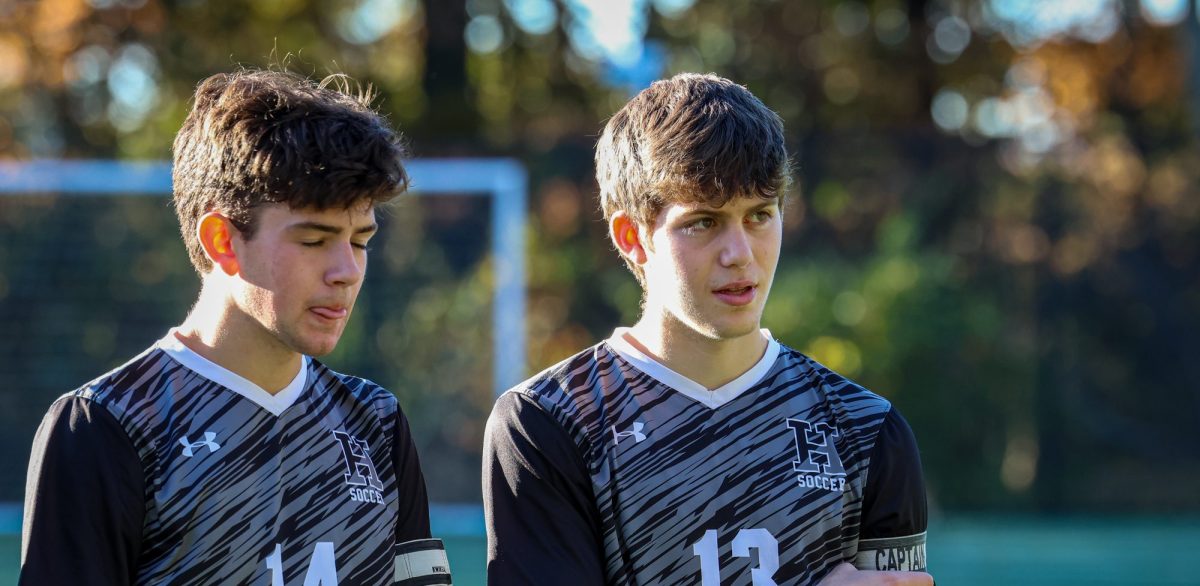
[(627, 237), (216, 236)]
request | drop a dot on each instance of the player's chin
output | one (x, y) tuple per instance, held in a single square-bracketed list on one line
[(317, 343), (736, 328)]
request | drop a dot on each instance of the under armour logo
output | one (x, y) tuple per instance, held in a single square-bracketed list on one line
[(189, 448), (818, 455), (360, 470), (637, 434)]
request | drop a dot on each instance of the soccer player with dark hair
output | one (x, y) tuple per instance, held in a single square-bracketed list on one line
[(224, 453), (692, 447)]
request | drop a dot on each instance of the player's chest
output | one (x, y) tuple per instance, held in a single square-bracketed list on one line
[(719, 496), (790, 451), (249, 462)]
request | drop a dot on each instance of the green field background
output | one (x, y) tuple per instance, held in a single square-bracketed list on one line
[(970, 551)]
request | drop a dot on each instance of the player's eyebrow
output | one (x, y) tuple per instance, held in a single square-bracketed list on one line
[(330, 229), (774, 201), (703, 210)]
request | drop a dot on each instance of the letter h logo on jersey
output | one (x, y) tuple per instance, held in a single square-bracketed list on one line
[(360, 470), (814, 448)]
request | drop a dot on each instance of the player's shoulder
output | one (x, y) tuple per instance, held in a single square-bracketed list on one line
[(566, 379), (127, 396), (565, 391), (831, 385), (126, 385), (562, 400), (353, 388)]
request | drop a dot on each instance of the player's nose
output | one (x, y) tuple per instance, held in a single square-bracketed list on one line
[(736, 248), (345, 267)]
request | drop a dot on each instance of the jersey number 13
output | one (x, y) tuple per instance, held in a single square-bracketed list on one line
[(745, 540)]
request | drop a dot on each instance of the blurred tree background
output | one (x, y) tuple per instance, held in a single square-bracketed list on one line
[(996, 224)]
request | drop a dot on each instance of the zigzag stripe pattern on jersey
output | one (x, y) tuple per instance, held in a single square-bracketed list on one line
[(216, 516), (730, 469)]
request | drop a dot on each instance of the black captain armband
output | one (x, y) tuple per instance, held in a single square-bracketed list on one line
[(904, 554), (422, 562)]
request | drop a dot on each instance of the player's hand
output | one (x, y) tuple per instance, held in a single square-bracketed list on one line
[(847, 575)]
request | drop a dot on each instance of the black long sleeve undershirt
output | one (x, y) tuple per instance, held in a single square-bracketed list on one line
[(84, 500)]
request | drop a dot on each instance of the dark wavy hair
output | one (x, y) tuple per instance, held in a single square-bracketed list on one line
[(256, 137)]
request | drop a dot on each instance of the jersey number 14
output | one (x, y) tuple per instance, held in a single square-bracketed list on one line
[(322, 567)]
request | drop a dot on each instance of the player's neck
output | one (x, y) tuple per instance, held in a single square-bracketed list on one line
[(218, 331), (711, 363)]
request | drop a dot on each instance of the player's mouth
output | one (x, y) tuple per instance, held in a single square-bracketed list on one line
[(737, 293), (330, 312)]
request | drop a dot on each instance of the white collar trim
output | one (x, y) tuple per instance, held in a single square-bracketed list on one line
[(619, 342), (276, 404)]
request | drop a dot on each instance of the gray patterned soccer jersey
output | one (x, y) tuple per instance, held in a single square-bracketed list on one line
[(173, 470), (609, 468)]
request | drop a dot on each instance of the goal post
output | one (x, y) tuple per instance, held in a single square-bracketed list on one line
[(504, 182)]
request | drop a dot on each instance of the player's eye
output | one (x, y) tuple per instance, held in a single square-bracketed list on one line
[(361, 246), (698, 225), (761, 216), (311, 243)]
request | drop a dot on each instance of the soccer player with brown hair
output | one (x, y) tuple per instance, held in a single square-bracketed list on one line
[(692, 447), (225, 453)]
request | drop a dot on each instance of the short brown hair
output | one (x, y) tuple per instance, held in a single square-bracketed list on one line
[(691, 138), (257, 137)]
